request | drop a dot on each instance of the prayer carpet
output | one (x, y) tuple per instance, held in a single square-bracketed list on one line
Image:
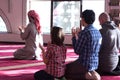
[(11, 69)]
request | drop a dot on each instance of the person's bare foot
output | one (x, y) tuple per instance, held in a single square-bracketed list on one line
[(93, 75)]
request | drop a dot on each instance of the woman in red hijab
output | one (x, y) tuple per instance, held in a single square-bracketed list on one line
[(32, 36)]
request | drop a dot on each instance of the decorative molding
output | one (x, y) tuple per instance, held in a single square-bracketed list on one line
[(9, 6), (114, 3), (114, 11)]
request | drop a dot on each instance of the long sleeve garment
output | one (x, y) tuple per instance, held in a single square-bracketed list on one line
[(56, 56), (87, 47), (110, 47), (31, 49)]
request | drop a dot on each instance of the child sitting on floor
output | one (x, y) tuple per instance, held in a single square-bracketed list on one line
[(54, 57)]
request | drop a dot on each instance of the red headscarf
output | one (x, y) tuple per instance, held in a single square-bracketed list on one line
[(35, 15)]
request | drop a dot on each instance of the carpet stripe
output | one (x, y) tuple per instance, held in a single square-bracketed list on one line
[(27, 65), (21, 66), (4, 57), (2, 46), (8, 50)]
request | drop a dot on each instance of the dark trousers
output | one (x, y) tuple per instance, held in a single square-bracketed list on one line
[(114, 72), (119, 61), (75, 71), (118, 66), (42, 75)]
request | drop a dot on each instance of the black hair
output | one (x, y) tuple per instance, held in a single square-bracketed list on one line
[(89, 16)]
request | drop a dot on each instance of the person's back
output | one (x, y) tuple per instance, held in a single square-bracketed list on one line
[(91, 39), (87, 45), (110, 34), (29, 34), (108, 55), (54, 57)]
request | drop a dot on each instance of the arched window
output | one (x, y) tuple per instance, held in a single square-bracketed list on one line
[(2, 25)]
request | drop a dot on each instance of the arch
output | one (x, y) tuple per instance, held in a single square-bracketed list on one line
[(6, 20)]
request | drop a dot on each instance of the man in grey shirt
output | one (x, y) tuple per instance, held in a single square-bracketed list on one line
[(109, 52)]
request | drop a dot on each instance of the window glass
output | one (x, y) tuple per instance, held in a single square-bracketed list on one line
[(44, 9), (66, 14), (2, 25)]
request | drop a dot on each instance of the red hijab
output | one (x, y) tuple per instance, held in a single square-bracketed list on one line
[(35, 16)]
